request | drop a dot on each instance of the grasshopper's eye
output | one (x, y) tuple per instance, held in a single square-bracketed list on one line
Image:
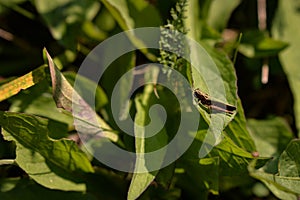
[(196, 95)]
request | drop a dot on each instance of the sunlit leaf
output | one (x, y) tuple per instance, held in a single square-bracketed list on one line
[(52, 163), (143, 144), (15, 86)]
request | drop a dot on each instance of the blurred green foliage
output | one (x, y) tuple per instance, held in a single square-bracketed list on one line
[(257, 158)]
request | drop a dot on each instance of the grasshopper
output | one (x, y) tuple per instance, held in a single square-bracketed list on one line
[(213, 105)]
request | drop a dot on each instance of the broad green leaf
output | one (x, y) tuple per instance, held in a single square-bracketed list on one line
[(289, 161), (286, 27), (233, 159), (66, 97), (217, 78), (271, 137), (15, 86), (255, 44), (139, 184), (212, 71), (197, 21), (144, 144), (237, 130), (52, 163), (74, 14), (226, 72), (220, 12), (38, 100), (27, 189), (283, 187)]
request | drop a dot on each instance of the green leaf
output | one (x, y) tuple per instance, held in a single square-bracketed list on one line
[(285, 182), (92, 31), (144, 144), (220, 12), (105, 21), (66, 97), (289, 161), (286, 27), (217, 78), (26, 189), (233, 159), (52, 163), (256, 44), (84, 89), (206, 19), (215, 65), (139, 184), (271, 137), (119, 9), (237, 130), (192, 21), (283, 187)]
